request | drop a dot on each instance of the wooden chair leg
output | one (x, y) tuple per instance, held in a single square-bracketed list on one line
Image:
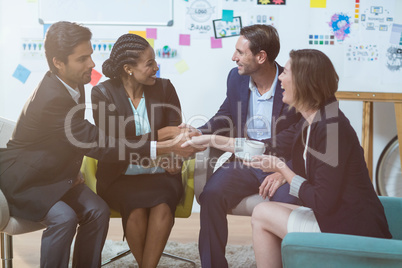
[(6, 251)]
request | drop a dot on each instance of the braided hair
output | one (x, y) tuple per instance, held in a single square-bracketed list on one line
[(126, 50)]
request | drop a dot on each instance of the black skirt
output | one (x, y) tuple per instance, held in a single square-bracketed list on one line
[(129, 192)]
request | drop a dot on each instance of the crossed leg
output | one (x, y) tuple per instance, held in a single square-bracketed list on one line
[(269, 222)]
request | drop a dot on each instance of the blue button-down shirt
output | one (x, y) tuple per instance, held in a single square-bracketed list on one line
[(259, 115)]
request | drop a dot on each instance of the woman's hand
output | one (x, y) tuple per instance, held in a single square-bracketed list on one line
[(202, 141), (79, 180), (175, 146), (172, 164), (270, 184), (217, 141)]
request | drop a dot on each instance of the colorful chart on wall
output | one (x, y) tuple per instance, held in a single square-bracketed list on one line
[(121, 12)]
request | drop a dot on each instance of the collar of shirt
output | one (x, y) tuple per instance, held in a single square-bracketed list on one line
[(271, 92), (75, 93)]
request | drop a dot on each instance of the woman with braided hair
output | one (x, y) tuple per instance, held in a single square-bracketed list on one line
[(135, 104)]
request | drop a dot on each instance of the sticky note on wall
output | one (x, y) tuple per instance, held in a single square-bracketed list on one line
[(140, 33), (216, 43), (152, 33), (95, 77), (181, 66), (151, 41), (227, 15), (318, 3), (158, 73), (21, 73), (45, 27), (184, 40)]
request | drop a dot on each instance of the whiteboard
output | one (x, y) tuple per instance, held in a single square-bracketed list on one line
[(363, 38), (107, 12)]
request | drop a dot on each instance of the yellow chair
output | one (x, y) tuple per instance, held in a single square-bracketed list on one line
[(183, 209)]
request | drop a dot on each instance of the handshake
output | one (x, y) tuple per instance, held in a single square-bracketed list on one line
[(172, 139), (170, 149)]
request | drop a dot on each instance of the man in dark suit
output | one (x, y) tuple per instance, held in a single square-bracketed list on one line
[(253, 108), (39, 170)]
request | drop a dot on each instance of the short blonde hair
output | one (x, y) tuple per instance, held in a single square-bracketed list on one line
[(314, 78)]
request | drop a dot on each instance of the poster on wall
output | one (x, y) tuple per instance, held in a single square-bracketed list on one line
[(227, 28), (376, 19), (199, 16), (271, 2)]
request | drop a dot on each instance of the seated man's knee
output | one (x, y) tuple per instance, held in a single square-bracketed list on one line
[(102, 210), (66, 220), (98, 211), (211, 195)]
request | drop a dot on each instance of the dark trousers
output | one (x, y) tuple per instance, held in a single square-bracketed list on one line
[(223, 191), (79, 207)]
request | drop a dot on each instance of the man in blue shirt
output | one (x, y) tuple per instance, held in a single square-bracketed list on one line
[(253, 109)]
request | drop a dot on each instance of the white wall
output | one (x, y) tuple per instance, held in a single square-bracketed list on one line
[(201, 89)]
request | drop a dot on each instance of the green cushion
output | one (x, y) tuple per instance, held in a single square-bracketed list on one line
[(338, 250)]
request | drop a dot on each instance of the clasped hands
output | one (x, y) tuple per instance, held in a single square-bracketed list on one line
[(175, 136)]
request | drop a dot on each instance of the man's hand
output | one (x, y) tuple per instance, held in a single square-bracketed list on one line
[(174, 146), (171, 132), (79, 180), (168, 133), (270, 184), (189, 128)]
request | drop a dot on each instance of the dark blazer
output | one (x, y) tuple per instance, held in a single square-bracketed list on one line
[(338, 187), (45, 153), (163, 109), (233, 112)]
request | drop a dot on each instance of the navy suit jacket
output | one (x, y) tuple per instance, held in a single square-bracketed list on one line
[(231, 118), (337, 187), (45, 153)]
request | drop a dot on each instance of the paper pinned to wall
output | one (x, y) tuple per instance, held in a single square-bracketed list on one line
[(227, 15), (45, 27), (318, 3), (396, 34), (184, 39), (216, 43), (151, 41), (95, 77), (181, 66), (152, 33), (143, 34), (199, 16), (376, 19), (21, 73)]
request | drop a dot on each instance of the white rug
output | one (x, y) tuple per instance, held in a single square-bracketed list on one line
[(238, 256)]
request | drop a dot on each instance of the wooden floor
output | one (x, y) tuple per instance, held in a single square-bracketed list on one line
[(27, 246)]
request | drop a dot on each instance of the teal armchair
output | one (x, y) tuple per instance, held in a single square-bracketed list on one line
[(337, 250)]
